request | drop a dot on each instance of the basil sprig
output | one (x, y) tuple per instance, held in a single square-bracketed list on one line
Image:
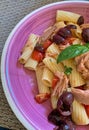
[(72, 51)]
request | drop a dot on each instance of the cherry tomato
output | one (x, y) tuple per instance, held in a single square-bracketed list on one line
[(54, 82), (38, 56), (69, 40), (87, 109), (47, 44), (40, 98)]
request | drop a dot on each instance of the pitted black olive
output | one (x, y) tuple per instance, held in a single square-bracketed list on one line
[(71, 26), (85, 34), (80, 20), (39, 48), (64, 32), (58, 39)]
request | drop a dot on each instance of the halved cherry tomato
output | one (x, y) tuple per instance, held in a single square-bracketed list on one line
[(54, 82), (38, 56), (87, 109), (69, 40), (46, 44), (40, 98)]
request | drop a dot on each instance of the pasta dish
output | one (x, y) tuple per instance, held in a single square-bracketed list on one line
[(60, 59)]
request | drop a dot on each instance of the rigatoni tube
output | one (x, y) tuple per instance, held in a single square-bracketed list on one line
[(51, 63), (28, 48), (69, 17)]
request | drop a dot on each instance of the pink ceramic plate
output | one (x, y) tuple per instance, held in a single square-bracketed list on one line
[(19, 84)]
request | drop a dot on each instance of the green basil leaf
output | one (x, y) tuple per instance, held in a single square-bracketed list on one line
[(87, 45), (71, 52), (68, 70)]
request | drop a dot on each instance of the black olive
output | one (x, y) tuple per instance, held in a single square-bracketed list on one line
[(39, 47), (71, 26), (64, 32), (55, 117), (58, 39), (67, 125), (64, 127), (64, 103), (85, 34), (80, 20), (67, 98)]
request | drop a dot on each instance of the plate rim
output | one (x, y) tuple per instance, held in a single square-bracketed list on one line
[(10, 101)]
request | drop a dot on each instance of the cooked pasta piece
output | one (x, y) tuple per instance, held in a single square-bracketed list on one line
[(28, 48), (59, 25), (47, 77), (41, 87), (31, 64), (77, 41), (44, 91), (52, 51), (76, 32), (69, 17), (51, 63), (75, 77), (79, 115), (54, 100)]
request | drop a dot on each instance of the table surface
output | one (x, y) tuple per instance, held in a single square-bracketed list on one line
[(11, 12)]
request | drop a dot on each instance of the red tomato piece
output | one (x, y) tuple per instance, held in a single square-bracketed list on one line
[(69, 40), (47, 44), (54, 82), (40, 98), (87, 109), (38, 56)]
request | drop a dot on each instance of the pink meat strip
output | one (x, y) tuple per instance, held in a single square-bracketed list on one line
[(62, 84), (81, 95), (82, 62), (47, 33)]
